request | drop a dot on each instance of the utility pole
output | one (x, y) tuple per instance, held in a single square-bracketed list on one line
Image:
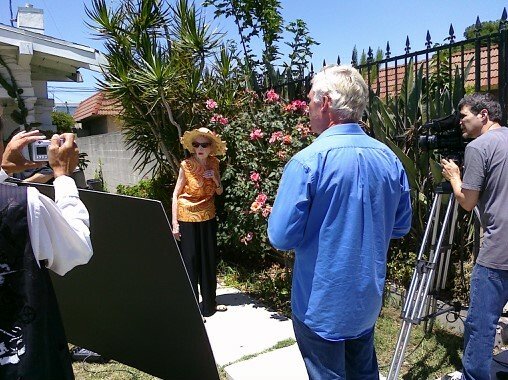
[(12, 16)]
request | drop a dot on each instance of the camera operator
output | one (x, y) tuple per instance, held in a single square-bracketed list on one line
[(340, 201), (35, 234), (484, 184)]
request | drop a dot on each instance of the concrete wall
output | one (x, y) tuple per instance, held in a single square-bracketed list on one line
[(117, 162)]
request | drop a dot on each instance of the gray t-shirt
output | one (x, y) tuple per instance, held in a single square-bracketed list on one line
[(486, 170)]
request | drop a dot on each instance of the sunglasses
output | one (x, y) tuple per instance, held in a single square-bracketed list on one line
[(196, 144)]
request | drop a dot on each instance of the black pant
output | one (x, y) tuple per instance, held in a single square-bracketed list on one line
[(198, 244)]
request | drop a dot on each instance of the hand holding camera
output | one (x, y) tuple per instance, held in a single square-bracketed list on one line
[(63, 154), (208, 173), (13, 160)]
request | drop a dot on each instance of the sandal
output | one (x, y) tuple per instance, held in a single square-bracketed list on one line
[(221, 308)]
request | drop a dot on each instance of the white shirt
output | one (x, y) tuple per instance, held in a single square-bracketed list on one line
[(59, 231)]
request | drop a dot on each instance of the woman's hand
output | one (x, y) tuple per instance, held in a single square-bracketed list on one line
[(211, 174), (176, 231)]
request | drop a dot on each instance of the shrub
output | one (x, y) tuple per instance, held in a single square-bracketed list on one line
[(261, 138), (159, 188)]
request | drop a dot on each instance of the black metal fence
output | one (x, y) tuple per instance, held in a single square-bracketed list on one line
[(479, 64)]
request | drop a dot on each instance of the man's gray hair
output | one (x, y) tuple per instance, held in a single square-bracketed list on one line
[(477, 102), (346, 89)]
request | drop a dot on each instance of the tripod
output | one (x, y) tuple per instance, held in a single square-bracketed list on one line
[(430, 274)]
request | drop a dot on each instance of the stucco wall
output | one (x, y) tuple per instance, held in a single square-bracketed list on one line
[(117, 162)]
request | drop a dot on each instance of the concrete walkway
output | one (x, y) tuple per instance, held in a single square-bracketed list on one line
[(252, 343), (241, 336)]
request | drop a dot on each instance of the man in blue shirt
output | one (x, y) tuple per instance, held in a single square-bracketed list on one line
[(340, 201)]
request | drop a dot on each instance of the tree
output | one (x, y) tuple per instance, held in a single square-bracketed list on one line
[(262, 18), (63, 121), (484, 28), (163, 63)]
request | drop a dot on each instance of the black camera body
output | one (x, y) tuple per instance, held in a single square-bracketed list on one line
[(444, 135)]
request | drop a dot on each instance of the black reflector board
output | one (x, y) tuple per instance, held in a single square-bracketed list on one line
[(133, 301)]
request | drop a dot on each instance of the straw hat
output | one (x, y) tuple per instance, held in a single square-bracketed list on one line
[(218, 146)]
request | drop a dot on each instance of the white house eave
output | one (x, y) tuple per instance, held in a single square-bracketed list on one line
[(79, 55)]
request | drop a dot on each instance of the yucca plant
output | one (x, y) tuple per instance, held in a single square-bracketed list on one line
[(398, 123), (159, 58)]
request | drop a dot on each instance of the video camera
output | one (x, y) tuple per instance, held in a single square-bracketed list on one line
[(445, 136)]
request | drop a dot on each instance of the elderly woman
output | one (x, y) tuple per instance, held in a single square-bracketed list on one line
[(193, 210)]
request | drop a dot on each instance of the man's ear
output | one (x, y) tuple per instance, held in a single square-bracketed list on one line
[(325, 106)]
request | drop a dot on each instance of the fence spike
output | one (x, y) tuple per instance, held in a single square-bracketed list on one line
[(428, 44), (338, 59), (451, 33), (477, 26), (324, 63), (407, 49), (502, 22), (387, 54), (311, 69)]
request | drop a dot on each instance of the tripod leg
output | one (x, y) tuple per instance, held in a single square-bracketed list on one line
[(413, 295), (432, 252), (419, 287), (443, 268)]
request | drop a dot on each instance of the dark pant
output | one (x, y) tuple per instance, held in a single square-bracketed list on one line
[(488, 295), (352, 359), (198, 244)]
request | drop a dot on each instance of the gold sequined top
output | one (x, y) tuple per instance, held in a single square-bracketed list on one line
[(196, 202)]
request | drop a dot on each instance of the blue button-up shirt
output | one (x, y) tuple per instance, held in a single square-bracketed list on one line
[(340, 201)]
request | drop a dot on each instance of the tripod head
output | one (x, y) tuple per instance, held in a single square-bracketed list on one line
[(443, 187)]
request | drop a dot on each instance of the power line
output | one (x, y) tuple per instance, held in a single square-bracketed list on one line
[(52, 19)]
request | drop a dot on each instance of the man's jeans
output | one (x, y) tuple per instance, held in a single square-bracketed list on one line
[(354, 359), (489, 294)]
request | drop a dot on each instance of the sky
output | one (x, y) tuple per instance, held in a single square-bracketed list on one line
[(338, 25)]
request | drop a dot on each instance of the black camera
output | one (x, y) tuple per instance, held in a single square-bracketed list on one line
[(444, 135)]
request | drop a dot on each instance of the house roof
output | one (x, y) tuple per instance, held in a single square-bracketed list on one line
[(97, 105), (390, 79), (51, 59)]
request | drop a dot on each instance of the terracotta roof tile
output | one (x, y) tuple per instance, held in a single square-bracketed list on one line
[(95, 105), (390, 79)]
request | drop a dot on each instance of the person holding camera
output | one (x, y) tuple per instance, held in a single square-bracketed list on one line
[(37, 234), (193, 213), (340, 201), (484, 184)]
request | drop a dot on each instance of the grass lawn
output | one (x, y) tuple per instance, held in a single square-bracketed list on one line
[(426, 357)]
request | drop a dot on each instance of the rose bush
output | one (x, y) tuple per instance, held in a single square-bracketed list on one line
[(261, 137)]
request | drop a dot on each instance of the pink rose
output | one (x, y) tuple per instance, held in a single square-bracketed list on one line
[(271, 96), (287, 139), (256, 134), (261, 198), (266, 211), (254, 176), (211, 104), (304, 130), (218, 118), (276, 136), (255, 206)]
